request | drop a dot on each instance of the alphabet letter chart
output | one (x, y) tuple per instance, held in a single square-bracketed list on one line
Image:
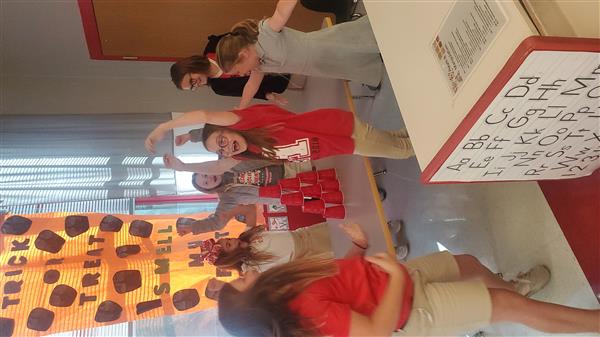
[(539, 119)]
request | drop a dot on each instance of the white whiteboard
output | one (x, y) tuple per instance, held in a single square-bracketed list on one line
[(543, 124)]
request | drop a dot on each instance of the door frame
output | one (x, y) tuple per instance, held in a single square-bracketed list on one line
[(92, 37)]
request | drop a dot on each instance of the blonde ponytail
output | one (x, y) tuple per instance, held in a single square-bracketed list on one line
[(243, 34), (247, 28)]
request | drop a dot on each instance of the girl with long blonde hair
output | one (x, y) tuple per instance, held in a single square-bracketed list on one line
[(346, 51)]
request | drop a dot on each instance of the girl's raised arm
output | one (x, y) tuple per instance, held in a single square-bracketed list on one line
[(251, 88), (247, 211), (282, 14), (214, 167), (223, 118)]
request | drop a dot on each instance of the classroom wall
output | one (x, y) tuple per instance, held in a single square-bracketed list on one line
[(46, 69)]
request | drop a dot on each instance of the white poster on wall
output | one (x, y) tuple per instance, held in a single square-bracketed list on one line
[(466, 33), (543, 124)]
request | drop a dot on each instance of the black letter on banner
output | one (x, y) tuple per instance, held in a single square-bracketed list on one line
[(163, 266)]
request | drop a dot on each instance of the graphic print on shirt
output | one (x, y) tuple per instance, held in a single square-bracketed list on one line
[(260, 177), (264, 176), (298, 151)]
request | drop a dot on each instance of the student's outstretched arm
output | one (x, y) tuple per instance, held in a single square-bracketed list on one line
[(251, 88), (224, 118), (213, 222), (215, 167), (246, 211), (282, 14), (384, 319)]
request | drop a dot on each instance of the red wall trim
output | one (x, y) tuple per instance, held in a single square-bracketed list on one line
[(90, 28), (92, 37), (576, 206), (176, 198)]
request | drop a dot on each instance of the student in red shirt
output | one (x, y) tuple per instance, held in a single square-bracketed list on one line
[(438, 294), (271, 132)]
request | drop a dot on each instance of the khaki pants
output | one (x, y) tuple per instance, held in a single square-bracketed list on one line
[(291, 169), (443, 305), (312, 241), (372, 142)]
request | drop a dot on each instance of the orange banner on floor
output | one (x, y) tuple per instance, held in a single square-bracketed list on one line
[(62, 272)]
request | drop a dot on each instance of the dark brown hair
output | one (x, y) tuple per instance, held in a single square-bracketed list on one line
[(195, 64), (258, 137), (248, 255), (242, 34), (262, 310)]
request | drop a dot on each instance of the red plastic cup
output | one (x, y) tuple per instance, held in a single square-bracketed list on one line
[(273, 191), (314, 206), (335, 212), (309, 177), (330, 185), (312, 191), (327, 174), (336, 197), (290, 184), (292, 199)]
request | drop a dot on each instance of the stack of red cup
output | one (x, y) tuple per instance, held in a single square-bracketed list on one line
[(331, 194), (322, 186), (325, 182)]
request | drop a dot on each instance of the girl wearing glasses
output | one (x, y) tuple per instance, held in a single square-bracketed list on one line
[(273, 133), (197, 71)]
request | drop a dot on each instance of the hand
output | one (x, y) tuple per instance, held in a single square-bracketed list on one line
[(276, 98), (183, 229), (173, 162), (356, 234), (385, 262), (154, 137), (182, 139)]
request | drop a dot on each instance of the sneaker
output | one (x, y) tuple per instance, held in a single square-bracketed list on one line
[(532, 281), (373, 88), (399, 239), (402, 252)]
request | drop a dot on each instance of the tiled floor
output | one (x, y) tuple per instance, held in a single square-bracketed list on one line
[(509, 226)]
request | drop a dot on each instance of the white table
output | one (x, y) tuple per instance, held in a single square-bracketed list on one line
[(405, 31)]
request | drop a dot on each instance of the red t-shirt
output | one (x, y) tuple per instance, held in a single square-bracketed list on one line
[(310, 135), (358, 286)]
